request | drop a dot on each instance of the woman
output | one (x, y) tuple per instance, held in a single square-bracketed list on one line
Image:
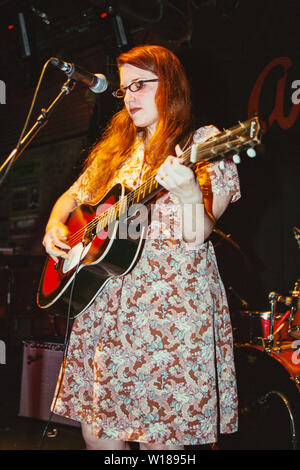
[(151, 360)]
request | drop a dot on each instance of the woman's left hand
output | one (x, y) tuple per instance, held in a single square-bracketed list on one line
[(179, 179)]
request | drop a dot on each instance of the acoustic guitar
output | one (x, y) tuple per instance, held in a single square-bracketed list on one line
[(98, 252)]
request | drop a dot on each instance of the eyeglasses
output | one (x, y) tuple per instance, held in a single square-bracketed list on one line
[(134, 86)]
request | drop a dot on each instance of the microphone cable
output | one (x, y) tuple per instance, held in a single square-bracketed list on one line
[(65, 352)]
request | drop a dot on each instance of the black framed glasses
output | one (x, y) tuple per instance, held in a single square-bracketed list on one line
[(134, 86)]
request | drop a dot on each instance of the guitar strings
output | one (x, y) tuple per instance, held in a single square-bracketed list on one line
[(110, 213), (135, 194), (114, 209), (106, 215), (142, 189)]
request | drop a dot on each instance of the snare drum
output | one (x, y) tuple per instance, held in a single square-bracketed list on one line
[(252, 326)]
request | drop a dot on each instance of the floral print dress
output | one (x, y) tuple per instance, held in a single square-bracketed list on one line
[(151, 360)]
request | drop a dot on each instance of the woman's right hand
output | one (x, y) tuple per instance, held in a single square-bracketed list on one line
[(54, 240)]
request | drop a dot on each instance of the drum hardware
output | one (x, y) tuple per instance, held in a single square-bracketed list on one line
[(267, 358), (294, 328), (229, 240), (281, 346), (243, 302), (253, 327), (226, 237), (294, 325), (271, 328), (268, 340), (280, 298), (266, 397), (266, 344), (273, 298), (297, 235), (280, 324)]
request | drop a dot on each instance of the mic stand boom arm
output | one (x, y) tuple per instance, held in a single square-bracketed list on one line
[(40, 122)]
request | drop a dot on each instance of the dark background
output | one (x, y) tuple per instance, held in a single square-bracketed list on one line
[(241, 57)]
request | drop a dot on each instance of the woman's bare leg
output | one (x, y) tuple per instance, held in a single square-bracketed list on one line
[(92, 442), (153, 446)]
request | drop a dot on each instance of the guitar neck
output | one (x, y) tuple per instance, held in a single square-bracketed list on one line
[(198, 153), (216, 148), (149, 189)]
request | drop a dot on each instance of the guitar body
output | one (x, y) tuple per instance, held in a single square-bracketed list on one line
[(94, 259)]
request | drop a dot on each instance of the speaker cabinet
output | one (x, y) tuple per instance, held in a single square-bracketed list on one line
[(40, 370)]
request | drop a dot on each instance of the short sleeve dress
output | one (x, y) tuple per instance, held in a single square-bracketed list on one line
[(151, 360)]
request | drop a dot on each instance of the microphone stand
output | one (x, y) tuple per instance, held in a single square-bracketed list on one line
[(40, 122)]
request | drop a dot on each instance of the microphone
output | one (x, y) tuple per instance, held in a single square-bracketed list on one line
[(95, 81)]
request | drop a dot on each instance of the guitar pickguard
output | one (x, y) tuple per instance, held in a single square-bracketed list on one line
[(76, 255)]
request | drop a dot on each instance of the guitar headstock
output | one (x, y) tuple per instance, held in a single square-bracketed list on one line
[(244, 136)]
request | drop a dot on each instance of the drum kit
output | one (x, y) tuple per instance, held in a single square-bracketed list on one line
[(271, 330), (267, 356)]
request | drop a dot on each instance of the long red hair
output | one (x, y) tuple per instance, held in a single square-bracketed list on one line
[(174, 126)]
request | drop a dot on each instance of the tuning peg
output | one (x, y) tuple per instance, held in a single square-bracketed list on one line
[(236, 158), (251, 153), (222, 165)]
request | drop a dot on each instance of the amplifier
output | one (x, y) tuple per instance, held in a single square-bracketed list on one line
[(40, 370)]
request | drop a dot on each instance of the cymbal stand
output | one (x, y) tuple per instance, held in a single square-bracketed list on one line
[(269, 342)]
